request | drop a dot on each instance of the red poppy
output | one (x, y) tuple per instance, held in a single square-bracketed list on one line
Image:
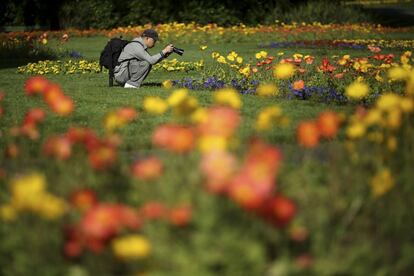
[(73, 248), (221, 121), (78, 134), (147, 169), (153, 210), (73, 241), (328, 124), (127, 113), (104, 221), (242, 192), (299, 85), (278, 210), (308, 134), (62, 106), (34, 116), (52, 93), (59, 147), (36, 85), (175, 138), (83, 199), (218, 167), (326, 66), (180, 216), (102, 157)]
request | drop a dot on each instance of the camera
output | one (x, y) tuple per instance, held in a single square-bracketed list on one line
[(178, 51)]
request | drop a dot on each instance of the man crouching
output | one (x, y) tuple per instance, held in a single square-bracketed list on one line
[(134, 62)]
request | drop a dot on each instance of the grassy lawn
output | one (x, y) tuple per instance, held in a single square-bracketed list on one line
[(93, 98), (334, 201)]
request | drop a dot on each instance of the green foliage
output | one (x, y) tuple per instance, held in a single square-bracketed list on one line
[(325, 11), (85, 14)]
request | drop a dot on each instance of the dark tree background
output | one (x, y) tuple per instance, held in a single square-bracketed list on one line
[(84, 14)]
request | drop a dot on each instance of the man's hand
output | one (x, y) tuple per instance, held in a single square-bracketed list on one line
[(168, 50)]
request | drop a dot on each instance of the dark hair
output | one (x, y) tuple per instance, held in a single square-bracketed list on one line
[(150, 33)]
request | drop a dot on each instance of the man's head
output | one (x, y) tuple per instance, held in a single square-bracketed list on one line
[(150, 36)]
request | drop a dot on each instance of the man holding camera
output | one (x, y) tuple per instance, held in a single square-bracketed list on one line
[(134, 62)]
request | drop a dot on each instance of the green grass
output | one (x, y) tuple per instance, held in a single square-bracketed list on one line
[(346, 226), (93, 98)]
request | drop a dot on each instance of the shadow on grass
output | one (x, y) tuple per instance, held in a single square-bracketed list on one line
[(151, 84), (16, 62), (18, 54)]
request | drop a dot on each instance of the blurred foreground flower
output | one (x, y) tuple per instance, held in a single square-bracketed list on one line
[(155, 105), (180, 216), (267, 90), (357, 90), (328, 124), (182, 103), (119, 118), (308, 134), (218, 168), (131, 247), (29, 194), (229, 97), (83, 199), (269, 117), (278, 210), (52, 94), (175, 138), (36, 85), (147, 169), (283, 70), (382, 182)]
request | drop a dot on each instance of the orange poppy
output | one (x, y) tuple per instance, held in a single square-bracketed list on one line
[(308, 134), (328, 124)]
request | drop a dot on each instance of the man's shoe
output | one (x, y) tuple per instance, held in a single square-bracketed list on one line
[(127, 85)]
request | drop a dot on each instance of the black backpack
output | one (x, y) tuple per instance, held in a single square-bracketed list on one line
[(110, 54)]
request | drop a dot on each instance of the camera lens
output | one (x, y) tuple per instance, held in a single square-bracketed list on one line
[(178, 51)]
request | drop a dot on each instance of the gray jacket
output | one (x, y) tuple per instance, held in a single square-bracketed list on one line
[(136, 51)]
